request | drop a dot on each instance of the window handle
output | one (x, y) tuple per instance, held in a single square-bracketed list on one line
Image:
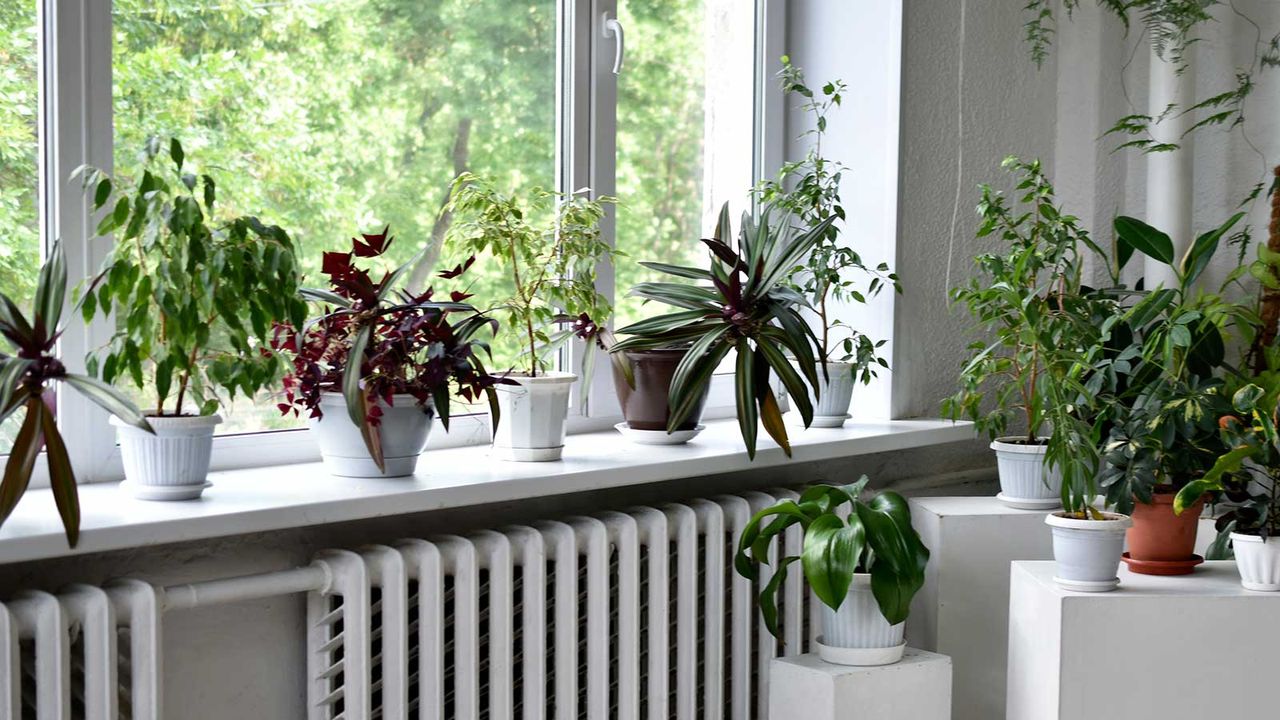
[(613, 28)]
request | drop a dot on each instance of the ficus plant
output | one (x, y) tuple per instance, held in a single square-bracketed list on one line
[(195, 297), (28, 375), (842, 535), (741, 304)]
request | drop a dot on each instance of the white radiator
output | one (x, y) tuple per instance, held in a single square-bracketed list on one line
[(634, 615)]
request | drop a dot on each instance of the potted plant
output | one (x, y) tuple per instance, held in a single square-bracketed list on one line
[(1038, 318), (194, 300), (809, 189), (552, 270), (740, 304), (1248, 473), (642, 380), (1164, 432), (380, 365), (864, 564), (26, 380)]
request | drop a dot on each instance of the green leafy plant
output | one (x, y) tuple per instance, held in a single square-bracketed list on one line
[(873, 537), (740, 304), (195, 298), (809, 189), (552, 266), (26, 378)]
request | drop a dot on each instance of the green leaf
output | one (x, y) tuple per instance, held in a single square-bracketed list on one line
[(175, 152), (1144, 238), (26, 447), (326, 297), (62, 480), (11, 371), (744, 386), (769, 596), (770, 412), (678, 270), (897, 572), (1201, 251), (351, 376), (1191, 493), (830, 557), (109, 399)]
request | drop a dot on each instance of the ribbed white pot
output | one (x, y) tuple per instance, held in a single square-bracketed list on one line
[(1025, 480), (1088, 551), (1257, 561), (857, 633), (404, 430), (172, 464), (835, 391), (532, 425)]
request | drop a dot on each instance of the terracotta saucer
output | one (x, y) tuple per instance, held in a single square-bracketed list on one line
[(1162, 567)]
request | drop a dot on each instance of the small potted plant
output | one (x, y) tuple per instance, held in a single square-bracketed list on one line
[(864, 564), (194, 300), (740, 304), (26, 378), (552, 271), (380, 365), (642, 380), (1248, 473), (1030, 303), (809, 189)]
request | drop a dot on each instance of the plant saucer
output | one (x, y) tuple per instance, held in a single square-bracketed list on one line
[(1029, 503), (1088, 585), (657, 437), (164, 492)]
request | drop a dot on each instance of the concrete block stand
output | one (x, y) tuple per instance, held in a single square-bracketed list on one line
[(806, 688), (1173, 648)]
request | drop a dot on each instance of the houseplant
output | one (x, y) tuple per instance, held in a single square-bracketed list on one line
[(1164, 431), (864, 564), (552, 270), (195, 300), (1038, 318), (740, 304), (26, 379), (809, 189), (380, 365)]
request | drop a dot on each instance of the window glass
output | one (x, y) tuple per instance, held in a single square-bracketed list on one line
[(331, 117)]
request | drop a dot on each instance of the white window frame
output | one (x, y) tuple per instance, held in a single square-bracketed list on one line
[(76, 119)]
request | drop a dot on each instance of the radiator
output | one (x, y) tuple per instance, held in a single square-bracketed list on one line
[(631, 615)]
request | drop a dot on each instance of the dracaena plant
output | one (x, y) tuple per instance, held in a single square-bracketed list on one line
[(195, 297), (376, 341), (842, 535), (28, 373), (832, 272), (740, 304)]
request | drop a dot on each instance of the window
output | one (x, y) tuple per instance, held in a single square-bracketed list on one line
[(331, 117)]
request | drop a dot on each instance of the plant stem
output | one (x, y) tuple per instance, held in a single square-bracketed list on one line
[(528, 317)]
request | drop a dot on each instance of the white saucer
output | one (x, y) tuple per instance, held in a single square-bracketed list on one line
[(164, 492), (1029, 503), (657, 437), (1088, 585), (860, 657), (829, 421)]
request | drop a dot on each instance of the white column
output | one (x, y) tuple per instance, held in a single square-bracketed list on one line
[(1169, 173), (806, 688)]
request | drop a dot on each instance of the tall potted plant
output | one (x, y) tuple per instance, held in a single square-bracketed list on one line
[(195, 299), (864, 563), (740, 304), (26, 378), (381, 364), (552, 270), (809, 189)]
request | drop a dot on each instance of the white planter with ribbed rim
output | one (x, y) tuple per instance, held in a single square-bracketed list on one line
[(1087, 552), (857, 633), (404, 429), (533, 413), (1025, 481), (1258, 562), (835, 392), (173, 463)]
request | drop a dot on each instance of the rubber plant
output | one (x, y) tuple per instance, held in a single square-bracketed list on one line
[(873, 537), (377, 340), (27, 377), (740, 304)]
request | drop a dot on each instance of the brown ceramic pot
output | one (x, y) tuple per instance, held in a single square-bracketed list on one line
[(1160, 542), (645, 406)]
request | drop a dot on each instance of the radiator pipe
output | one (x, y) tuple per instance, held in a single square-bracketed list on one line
[(247, 587)]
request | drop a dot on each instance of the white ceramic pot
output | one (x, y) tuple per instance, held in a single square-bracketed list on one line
[(857, 633), (1088, 551), (835, 390), (1258, 562), (1025, 481), (172, 464), (404, 431), (531, 428)]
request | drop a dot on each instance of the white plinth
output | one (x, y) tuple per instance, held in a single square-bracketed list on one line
[(806, 688), (1174, 648), (963, 609)]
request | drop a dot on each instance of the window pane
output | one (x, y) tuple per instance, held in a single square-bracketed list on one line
[(685, 132), (19, 148), (330, 117)]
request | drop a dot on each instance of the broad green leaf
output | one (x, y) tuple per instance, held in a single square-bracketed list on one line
[(1201, 251), (744, 383), (109, 399), (897, 572), (769, 596), (1144, 238)]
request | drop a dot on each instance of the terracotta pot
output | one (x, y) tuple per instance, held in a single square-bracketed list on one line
[(1160, 542), (645, 406)]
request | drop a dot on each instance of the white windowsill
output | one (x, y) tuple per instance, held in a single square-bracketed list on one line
[(292, 496)]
